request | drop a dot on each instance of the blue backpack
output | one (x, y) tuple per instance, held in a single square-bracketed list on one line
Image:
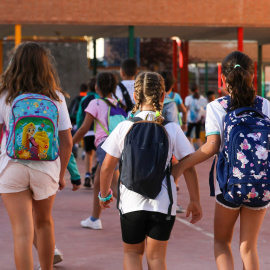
[(243, 165), (115, 115), (143, 162), (33, 128)]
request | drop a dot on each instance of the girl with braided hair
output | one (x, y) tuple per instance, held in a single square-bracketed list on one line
[(143, 218)]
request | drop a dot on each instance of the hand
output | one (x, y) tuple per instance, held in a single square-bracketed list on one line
[(177, 170), (184, 127), (62, 183), (105, 205), (195, 209), (75, 187)]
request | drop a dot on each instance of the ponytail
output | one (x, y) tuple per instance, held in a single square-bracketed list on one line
[(238, 70)]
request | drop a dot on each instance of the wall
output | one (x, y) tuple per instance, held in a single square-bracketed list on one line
[(71, 62)]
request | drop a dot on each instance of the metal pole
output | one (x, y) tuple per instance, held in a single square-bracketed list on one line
[(206, 78), (259, 78), (18, 34), (263, 81), (131, 41), (95, 57), (175, 64)]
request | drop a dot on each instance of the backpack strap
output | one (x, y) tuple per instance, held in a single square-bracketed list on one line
[(211, 178), (126, 96), (169, 187)]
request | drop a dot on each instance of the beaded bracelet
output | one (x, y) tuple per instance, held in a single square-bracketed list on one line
[(107, 198)]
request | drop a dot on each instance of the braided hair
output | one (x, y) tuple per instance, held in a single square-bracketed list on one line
[(148, 88)]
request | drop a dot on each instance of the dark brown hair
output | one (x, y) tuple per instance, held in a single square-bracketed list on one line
[(238, 70), (169, 80), (129, 66), (148, 88), (30, 71), (106, 84)]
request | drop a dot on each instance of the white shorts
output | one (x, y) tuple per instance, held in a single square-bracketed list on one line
[(17, 177)]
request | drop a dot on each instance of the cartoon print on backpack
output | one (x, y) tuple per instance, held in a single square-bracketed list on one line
[(33, 128)]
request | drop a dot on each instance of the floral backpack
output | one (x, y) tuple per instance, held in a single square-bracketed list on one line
[(243, 165), (33, 128)]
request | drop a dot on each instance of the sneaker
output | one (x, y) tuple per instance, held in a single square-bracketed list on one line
[(87, 178), (180, 209), (88, 223), (58, 256)]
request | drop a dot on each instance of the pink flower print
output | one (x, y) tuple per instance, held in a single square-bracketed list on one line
[(251, 165), (224, 104), (261, 152), (242, 157), (245, 145)]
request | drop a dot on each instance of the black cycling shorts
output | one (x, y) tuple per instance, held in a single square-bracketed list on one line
[(89, 144)]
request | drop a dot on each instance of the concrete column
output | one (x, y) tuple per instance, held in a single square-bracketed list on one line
[(94, 57), (206, 78)]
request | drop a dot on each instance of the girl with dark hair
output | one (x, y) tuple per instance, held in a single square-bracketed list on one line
[(144, 223), (97, 110), (28, 187), (237, 74)]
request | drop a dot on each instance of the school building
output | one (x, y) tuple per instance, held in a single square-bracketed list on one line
[(205, 30)]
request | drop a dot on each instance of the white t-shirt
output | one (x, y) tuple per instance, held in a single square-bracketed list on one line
[(196, 108), (52, 168), (214, 123), (129, 84), (179, 146)]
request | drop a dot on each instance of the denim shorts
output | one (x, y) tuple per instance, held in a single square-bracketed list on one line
[(101, 155), (220, 200)]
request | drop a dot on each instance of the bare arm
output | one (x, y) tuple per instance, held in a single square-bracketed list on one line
[(106, 175), (65, 149), (210, 148), (88, 120), (183, 110), (194, 206)]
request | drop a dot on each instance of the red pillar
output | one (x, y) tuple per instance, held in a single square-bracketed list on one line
[(184, 70), (255, 81), (240, 39), (219, 79), (175, 50)]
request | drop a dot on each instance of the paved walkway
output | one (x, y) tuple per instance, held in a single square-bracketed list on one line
[(190, 247)]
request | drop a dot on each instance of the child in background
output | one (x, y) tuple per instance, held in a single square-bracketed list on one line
[(169, 83), (237, 74), (28, 188), (89, 137), (98, 110), (142, 218), (125, 88)]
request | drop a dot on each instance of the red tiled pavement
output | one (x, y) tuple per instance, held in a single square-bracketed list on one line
[(190, 247)]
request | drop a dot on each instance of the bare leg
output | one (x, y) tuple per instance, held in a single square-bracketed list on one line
[(250, 224), (156, 254), (96, 208), (44, 228), (224, 222), (133, 255), (19, 208), (114, 184)]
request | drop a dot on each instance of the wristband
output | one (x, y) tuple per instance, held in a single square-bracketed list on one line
[(107, 198), (184, 123)]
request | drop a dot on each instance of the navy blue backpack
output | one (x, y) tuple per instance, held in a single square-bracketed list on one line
[(243, 165), (143, 162)]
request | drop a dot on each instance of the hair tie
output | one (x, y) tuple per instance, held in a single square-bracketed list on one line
[(237, 66), (157, 113)]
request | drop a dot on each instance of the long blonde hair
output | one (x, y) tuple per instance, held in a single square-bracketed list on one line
[(25, 141), (30, 71)]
